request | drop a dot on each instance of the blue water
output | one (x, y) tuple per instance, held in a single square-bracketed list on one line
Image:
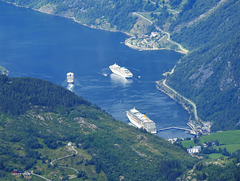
[(34, 44)]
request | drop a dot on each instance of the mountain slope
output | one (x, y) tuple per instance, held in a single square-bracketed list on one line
[(209, 75), (48, 117)]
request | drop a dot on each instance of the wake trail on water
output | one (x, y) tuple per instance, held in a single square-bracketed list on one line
[(70, 87), (137, 79), (105, 72)]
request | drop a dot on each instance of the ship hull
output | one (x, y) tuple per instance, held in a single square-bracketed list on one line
[(141, 121), (121, 71), (134, 120), (118, 73)]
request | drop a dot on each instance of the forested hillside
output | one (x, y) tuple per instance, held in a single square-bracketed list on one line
[(115, 15), (108, 15), (210, 74), (38, 119)]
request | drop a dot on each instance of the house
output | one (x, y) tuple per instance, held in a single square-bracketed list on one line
[(154, 34), (195, 149), (69, 143), (172, 140), (27, 175)]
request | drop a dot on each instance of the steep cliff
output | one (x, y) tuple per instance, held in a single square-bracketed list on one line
[(209, 74)]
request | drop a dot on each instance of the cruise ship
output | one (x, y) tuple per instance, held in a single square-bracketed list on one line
[(141, 120), (70, 77), (122, 71)]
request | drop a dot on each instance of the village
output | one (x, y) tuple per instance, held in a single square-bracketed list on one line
[(153, 41)]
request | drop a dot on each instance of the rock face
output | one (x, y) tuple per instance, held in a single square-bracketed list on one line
[(209, 74), (202, 74)]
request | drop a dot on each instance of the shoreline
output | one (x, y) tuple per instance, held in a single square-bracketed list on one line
[(195, 123), (158, 86), (72, 18), (97, 28), (152, 49)]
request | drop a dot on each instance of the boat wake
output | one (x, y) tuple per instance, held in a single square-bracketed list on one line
[(105, 72), (70, 87), (120, 80)]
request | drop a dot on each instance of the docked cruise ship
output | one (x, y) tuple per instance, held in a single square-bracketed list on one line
[(122, 71), (70, 77), (141, 120)]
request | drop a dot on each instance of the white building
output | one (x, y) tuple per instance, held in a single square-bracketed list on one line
[(195, 149), (153, 34)]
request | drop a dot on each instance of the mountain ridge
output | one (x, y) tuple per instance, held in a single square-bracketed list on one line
[(211, 79)]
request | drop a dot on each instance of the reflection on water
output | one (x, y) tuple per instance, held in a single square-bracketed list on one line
[(120, 80)]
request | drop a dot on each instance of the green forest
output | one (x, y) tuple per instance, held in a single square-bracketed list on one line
[(38, 118), (210, 73), (50, 116), (111, 15)]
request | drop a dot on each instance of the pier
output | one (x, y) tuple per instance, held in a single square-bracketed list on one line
[(185, 129)]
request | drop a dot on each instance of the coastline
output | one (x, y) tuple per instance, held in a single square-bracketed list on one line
[(160, 86), (152, 49), (195, 123), (145, 49), (111, 30), (98, 28), (69, 17)]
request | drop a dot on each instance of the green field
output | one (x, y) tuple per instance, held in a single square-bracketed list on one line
[(227, 139), (215, 155), (231, 148), (188, 143)]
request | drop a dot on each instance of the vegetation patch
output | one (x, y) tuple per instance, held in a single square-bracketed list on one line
[(58, 135)]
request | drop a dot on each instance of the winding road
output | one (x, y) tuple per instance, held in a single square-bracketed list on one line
[(76, 152), (183, 50), (71, 168), (188, 100)]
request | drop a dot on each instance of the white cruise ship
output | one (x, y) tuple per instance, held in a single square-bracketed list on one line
[(141, 120), (70, 77), (122, 71)]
